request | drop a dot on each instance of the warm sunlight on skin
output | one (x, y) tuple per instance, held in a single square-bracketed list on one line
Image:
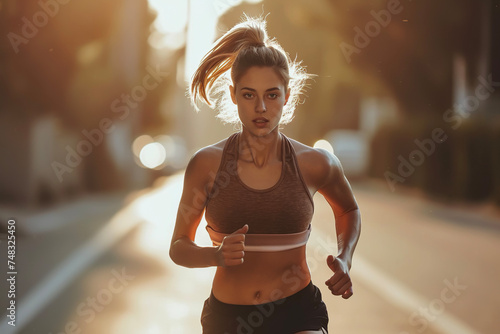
[(260, 96)]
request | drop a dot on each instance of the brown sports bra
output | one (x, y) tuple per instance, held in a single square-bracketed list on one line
[(278, 217)]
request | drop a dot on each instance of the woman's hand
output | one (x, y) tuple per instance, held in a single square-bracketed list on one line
[(340, 283), (231, 251)]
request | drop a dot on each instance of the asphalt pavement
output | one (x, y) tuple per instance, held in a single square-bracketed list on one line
[(420, 267)]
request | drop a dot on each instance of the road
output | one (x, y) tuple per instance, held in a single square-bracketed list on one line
[(420, 267)]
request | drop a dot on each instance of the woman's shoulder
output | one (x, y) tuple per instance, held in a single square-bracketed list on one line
[(211, 151), (203, 166), (316, 164), (208, 158), (312, 154)]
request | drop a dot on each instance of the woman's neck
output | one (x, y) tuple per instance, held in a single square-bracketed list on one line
[(260, 150)]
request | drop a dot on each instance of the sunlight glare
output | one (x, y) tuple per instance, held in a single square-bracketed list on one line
[(170, 24), (172, 15), (202, 29)]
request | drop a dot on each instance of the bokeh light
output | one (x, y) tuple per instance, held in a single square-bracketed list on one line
[(153, 155), (324, 145), (140, 142)]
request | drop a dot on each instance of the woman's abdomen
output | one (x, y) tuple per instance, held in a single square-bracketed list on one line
[(262, 278)]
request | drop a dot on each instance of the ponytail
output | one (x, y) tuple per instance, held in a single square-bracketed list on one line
[(245, 45)]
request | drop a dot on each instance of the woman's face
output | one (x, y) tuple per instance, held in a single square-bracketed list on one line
[(260, 96)]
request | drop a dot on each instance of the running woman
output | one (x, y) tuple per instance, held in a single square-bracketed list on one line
[(256, 190)]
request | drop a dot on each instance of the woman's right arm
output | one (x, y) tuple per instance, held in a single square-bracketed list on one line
[(183, 250)]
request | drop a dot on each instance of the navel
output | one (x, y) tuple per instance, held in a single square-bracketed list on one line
[(257, 295)]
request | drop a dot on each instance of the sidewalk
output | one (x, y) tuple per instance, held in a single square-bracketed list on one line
[(45, 239), (34, 221), (485, 214)]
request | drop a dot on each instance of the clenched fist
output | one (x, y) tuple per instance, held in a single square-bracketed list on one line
[(231, 251), (340, 283)]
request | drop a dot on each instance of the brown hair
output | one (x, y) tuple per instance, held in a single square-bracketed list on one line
[(242, 47)]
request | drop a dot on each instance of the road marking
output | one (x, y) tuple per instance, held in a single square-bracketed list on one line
[(124, 221), (406, 299), (69, 269)]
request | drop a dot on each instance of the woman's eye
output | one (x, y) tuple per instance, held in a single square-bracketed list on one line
[(247, 95), (273, 95)]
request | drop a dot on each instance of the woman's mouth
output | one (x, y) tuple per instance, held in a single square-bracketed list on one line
[(260, 122)]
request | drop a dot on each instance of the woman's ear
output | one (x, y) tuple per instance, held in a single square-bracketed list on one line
[(287, 96), (233, 96)]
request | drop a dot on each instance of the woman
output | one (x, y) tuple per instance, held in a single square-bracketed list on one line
[(256, 190)]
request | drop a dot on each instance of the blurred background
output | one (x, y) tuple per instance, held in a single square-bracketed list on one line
[(96, 128)]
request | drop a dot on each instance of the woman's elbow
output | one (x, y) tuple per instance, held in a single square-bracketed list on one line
[(173, 252)]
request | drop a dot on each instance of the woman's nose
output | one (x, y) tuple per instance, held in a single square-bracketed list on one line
[(261, 106)]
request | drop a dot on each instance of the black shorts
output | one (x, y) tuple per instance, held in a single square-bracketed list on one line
[(301, 311)]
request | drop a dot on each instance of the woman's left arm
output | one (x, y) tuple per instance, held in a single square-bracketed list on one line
[(339, 195)]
